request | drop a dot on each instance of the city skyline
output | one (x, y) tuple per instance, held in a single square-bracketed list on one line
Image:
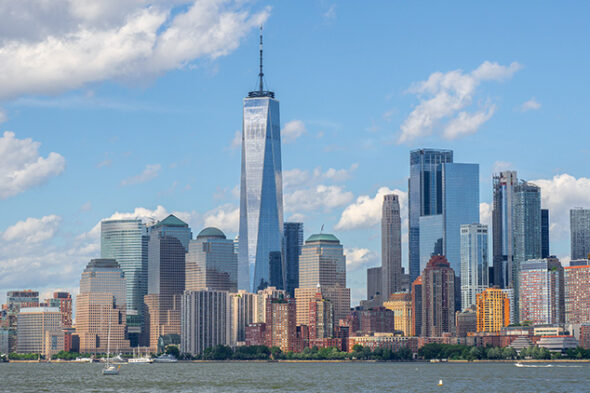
[(111, 159)]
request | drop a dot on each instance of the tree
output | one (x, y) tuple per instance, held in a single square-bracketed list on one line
[(173, 350)]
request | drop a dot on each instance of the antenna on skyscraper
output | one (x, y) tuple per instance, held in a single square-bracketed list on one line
[(261, 74), (322, 229)]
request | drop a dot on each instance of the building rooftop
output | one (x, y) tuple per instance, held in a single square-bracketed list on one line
[(171, 221), (323, 237), (211, 232), (102, 264)]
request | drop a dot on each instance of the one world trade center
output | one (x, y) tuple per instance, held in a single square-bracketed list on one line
[(260, 259)]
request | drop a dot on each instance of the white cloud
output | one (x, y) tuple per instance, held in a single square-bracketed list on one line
[(559, 195), (51, 47), (467, 123), (32, 230), (293, 130), (226, 218), (366, 211), (485, 215), (359, 258), (500, 166), (330, 13), (236, 142), (296, 177), (21, 166), (150, 172), (443, 95), (530, 105), (320, 197)]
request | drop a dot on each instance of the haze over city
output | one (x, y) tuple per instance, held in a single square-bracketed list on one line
[(124, 110)]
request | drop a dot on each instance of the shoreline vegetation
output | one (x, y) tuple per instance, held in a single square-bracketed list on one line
[(428, 353)]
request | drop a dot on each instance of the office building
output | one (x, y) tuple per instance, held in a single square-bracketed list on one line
[(474, 262), (577, 294), (205, 320), (293, 238), (545, 252), (425, 196), (580, 233), (63, 301), (33, 325), (211, 262), (401, 305), (542, 292), (263, 296), (493, 310), (15, 300), (503, 227), (281, 328), (391, 246), (126, 241), (322, 264), (416, 294), (101, 306), (466, 321), (261, 187), (374, 284), (243, 309), (438, 298), (321, 318)]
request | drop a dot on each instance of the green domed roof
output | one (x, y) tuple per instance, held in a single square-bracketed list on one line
[(211, 232), (323, 237)]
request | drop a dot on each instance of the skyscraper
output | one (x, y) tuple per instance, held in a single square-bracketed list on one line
[(261, 187), (580, 233), (438, 298), (211, 262), (293, 237), (474, 262), (63, 301), (577, 294), (126, 241), (502, 226), (33, 325), (391, 246), (545, 252), (493, 310), (425, 196), (374, 284), (542, 292)]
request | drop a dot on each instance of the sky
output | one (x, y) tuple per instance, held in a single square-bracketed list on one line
[(133, 108)]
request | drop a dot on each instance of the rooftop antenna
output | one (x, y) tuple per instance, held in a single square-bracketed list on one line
[(261, 74), (322, 229)]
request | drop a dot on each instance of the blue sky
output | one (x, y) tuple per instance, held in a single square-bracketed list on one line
[(140, 106)]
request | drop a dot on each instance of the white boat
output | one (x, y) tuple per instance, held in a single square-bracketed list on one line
[(518, 364), (138, 359), (110, 369), (83, 360), (166, 359)]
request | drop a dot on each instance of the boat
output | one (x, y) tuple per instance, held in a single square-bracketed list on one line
[(518, 364), (118, 359), (138, 359), (110, 369), (83, 360), (166, 358)]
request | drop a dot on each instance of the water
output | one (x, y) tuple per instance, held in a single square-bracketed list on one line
[(295, 377)]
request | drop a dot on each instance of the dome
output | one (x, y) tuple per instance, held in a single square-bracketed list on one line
[(211, 232), (323, 237)]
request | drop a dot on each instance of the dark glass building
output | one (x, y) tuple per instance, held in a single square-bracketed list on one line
[(293, 238)]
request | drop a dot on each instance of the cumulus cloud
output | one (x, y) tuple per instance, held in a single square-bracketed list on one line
[(321, 197), (150, 172), (359, 258), (32, 230), (236, 141), (559, 195), (530, 105), (297, 177), (51, 47), (366, 211), (445, 96), (21, 166), (485, 214), (226, 218), (293, 130)]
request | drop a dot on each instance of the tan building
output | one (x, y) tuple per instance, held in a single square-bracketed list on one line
[(438, 298), (162, 317), (401, 305), (262, 298), (493, 310), (281, 329), (321, 318), (100, 306), (33, 324), (577, 294), (243, 312)]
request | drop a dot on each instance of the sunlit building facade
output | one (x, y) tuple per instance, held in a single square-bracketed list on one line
[(493, 310), (474, 262), (542, 292), (577, 294)]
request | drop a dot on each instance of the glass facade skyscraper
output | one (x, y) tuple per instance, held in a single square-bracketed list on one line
[(126, 241), (502, 226), (293, 237), (580, 233), (545, 253), (474, 262), (261, 188), (425, 196)]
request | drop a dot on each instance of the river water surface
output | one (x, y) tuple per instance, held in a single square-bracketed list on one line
[(296, 377)]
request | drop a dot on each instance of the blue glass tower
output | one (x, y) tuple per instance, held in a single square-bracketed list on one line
[(261, 188)]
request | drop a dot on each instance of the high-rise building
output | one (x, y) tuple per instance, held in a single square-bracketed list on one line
[(460, 205), (243, 312), (425, 196), (527, 231), (166, 277), (542, 291), (493, 310), (322, 264), (205, 320), (438, 298), (261, 187), (416, 294), (101, 306), (293, 238), (15, 300), (401, 305), (321, 318), (126, 241), (263, 296), (281, 328), (545, 252), (374, 284), (33, 325), (577, 294), (580, 233), (474, 262), (63, 301), (466, 321), (502, 226), (211, 262), (391, 246)]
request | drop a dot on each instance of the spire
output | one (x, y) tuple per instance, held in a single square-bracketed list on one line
[(261, 74)]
